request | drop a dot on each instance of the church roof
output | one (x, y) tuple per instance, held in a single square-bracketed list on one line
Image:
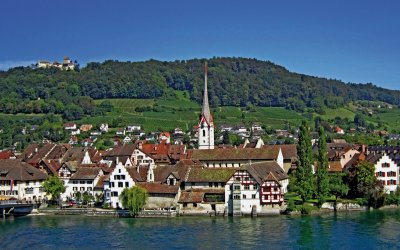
[(205, 112)]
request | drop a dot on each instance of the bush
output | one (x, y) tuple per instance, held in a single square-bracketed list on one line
[(306, 209), (362, 201)]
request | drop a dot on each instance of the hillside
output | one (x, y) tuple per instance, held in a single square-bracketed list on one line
[(236, 82)]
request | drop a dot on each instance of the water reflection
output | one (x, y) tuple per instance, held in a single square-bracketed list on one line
[(376, 229)]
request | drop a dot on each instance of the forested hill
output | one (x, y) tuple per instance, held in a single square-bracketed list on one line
[(232, 81)]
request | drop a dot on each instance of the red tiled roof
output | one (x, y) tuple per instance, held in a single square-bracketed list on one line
[(134, 174), (19, 171), (4, 155), (191, 197)]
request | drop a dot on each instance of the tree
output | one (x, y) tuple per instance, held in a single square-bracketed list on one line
[(54, 186), (134, 198), (367, 184), (304, 179), (337, 187), (322, 172)]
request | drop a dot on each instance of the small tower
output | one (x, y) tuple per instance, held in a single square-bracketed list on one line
[(206, 122)]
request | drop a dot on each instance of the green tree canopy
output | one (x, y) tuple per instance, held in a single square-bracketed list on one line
[(368, 185), (322, 170), (134, 198), (54, 186)]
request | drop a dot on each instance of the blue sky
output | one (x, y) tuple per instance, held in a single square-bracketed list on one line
[(354, 41)]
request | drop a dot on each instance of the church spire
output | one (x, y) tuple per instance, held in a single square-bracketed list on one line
[(206, 107)]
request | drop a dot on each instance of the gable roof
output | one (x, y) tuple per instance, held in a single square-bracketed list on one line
[(191, 197), (267, 170), (19, 171), (134, 174), (289, 151), (7, 154), (221, 154), (122, 150), (210, 174), (86, 173)]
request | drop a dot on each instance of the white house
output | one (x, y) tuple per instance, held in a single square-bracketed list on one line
[(120, 178), (133, 128), (104, 127), (83, 180), (236, 157), (386, 171), (70, 126), (21, 181), (256, 188)]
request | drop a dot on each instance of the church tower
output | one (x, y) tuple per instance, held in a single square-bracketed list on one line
[(206, 122)]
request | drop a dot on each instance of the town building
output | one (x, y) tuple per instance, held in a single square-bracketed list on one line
[(256, 188), (386, 171), (205, 127), (21, 181)]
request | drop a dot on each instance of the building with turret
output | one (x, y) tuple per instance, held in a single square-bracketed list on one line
[(205, 127)]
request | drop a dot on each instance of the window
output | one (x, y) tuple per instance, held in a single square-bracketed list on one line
[(216, 184), (253, 196), (89, 189), (391, 174), (391, 182), (276, 189), (89, 182), (74, 182), (210, 184), (120, 184), (275, 197), (126, 184), (244, 196), (111, 184), (237, 187), (380, 174), (246, 187), (82, 188), (114, 194), (237, 178), (385, 165), (122, 177), (247, 178), (236, 197), (75, 188), (255, 186), (82, 182), (119, 170), (204, 132), (267, 189), (194, 204)]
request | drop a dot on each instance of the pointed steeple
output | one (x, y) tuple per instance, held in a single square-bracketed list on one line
[(206, 107)]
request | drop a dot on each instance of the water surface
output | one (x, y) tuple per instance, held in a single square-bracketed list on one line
[(364, 230)]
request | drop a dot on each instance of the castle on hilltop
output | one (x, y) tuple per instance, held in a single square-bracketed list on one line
[(67, 64)]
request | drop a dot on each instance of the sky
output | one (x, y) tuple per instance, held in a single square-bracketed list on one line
[(353, 41)]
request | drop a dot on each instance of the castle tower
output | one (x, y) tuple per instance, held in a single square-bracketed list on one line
[(206, 122)]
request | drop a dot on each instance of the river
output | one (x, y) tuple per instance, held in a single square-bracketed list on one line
[(363, 230)]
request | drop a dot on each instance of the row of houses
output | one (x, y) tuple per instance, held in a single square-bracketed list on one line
[(172, 175)]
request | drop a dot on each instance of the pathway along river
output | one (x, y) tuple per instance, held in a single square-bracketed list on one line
[(363, 230)]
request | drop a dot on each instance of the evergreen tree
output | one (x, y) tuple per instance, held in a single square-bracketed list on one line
[(322, 171), (304, 178), (337, 187)]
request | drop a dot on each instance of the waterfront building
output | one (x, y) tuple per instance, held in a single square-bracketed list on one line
[(236, 157), (256, 188), (205, 127), (21, 181), (120, 178), (386, 171), (85, 179)]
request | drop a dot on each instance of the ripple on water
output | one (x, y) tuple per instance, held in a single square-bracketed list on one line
[(376, 229)]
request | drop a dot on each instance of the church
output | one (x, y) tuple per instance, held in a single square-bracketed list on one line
[(206, 122)]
